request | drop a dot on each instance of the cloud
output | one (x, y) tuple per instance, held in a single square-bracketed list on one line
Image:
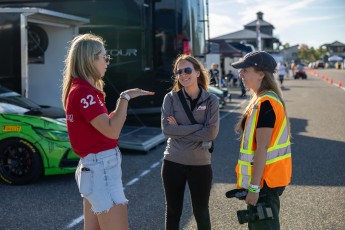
[(295, 21), (221, 25)]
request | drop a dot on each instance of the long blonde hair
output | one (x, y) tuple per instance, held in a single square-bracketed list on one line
[(267, 83), (203, 79), (82, 53)]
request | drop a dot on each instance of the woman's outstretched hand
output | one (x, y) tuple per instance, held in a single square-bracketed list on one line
[(133, 93)]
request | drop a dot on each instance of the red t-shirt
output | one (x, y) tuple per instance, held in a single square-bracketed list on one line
[(84, 103)]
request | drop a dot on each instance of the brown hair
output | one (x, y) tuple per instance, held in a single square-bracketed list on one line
[(267, 83), (82, 53), (203, 79)]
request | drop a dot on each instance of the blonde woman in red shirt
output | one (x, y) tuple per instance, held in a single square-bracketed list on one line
[(94, 133)]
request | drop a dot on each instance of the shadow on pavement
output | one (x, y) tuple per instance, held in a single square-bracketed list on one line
[(316, 161)]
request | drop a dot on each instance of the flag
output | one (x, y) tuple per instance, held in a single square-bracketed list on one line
[(258, 35)]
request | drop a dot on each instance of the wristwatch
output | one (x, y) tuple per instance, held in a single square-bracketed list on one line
[(125, 96)]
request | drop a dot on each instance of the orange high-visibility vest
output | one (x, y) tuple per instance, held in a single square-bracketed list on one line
[(278, 168)]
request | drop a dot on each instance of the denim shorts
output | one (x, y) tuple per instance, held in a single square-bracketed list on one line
[(99, 179)]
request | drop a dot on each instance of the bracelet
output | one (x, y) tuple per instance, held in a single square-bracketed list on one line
[(254, 188), (125, 96), (118, 100)]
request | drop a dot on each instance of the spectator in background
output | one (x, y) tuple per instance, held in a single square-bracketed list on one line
[(228, 78), (243, 89), (233, 77), (300, 67), (236, 78), (288, 67), (282, 71), (214, 74), (292, 67)]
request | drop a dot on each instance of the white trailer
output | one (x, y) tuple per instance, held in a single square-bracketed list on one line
[(38, 47)]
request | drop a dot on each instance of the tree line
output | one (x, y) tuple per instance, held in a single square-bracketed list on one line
[(309, 54)]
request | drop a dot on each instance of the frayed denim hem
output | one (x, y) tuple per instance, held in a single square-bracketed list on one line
[(107, 210)]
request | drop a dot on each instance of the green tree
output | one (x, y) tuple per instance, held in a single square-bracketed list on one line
[(310, 54)]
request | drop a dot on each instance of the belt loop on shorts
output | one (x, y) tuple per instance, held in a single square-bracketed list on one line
[(95, 157), (117, 149), (92, 157)]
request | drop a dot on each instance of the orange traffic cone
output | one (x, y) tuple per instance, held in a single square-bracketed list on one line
[(340, 84), (331, 81)]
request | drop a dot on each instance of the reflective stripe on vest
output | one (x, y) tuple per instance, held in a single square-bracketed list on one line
[(280, 150)]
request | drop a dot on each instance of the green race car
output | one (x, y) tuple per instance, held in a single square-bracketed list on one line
[(33, 140)]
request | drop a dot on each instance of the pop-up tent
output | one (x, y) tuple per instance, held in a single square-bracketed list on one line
[(335, 58)]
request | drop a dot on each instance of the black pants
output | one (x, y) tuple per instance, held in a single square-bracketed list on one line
[(281, 79), (271, 197), (243, 89), (199, 179)]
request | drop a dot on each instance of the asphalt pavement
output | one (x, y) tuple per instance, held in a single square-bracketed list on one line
[(314, 200)]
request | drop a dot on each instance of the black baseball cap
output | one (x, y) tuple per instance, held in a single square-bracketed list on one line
[(259, 59)]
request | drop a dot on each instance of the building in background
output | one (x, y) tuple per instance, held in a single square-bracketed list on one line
[(228, 48), (335, 57), (248, 37), (335, 48), (290, 53)]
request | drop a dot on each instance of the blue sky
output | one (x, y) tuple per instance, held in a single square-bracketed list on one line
[(311, 22)]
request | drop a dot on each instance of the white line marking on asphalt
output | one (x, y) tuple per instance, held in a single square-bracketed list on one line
[(75, 222), (337, 85), (130, 183), (155, 165), (145, 172), (233, 110), (334, 83)]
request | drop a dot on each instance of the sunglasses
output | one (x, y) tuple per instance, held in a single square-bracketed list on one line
[(187, 70), (106, 58)]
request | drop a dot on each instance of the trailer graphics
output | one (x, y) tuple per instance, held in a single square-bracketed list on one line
[(143, 38)]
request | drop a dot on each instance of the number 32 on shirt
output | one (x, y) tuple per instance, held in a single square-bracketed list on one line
[(89, 100)]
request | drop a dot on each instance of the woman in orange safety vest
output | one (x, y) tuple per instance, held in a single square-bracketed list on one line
[(264, 166)]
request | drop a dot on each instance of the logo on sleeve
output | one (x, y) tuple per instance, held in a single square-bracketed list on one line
[(70, 117), (100, 101)]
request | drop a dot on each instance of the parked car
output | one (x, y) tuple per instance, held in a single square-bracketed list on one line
[(223, 95), (33, 140), (319, 64)]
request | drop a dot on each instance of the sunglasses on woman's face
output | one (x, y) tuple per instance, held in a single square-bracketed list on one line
[(106, 58), (187, 70)]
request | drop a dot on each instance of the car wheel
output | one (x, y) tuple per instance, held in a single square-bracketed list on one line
[(20, 162)]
